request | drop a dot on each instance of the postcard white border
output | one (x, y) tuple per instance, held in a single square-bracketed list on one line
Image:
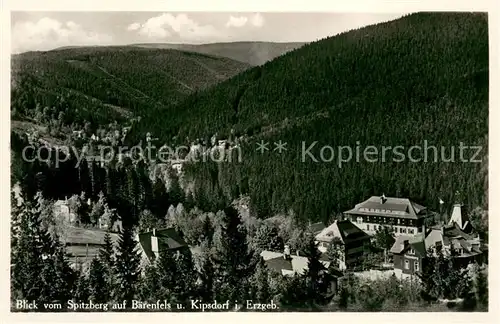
[(365, 6)]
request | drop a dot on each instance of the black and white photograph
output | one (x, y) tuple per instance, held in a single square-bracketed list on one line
[(214, 161)]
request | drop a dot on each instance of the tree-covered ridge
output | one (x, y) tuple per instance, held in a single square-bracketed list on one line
[(253, 53), (391, 66), (422, 77), (110, 83)]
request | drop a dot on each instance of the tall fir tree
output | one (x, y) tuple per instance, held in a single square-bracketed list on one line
[(260, 284), (150, 287), (206, 272), (127, 266), (316, 275), (82, 291), (186, 276), (98, 285), (34, 246), (234, 260)]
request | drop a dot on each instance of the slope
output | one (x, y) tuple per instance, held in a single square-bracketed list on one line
[(104, 84), (423, 77), (253, 53)]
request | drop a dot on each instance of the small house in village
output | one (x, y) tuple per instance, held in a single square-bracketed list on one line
[(403, 215), (63, 212), (352, 246), (409, 252), (288, 264), (316, 228), (105, 223), (460, 218), (153, 242)]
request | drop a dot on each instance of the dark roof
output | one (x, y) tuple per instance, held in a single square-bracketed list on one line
[(345, 230), (316, 227), (350, 232), (168, 239), (392, 207), (416, 242), (279, 263)]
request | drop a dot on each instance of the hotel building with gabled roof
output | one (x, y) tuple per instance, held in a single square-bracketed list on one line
[(404, 216)]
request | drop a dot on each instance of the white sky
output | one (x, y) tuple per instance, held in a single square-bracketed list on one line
[(49, 30)]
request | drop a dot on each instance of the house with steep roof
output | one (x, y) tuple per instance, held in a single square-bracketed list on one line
[(288, 264), (404, 216), (153, 242), (316, 228), (63, 212), (410, 251), (460, 218), (468, 248), (352, 242)]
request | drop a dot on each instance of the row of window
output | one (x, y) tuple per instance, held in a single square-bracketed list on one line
[(416, 265), (385, 211), (386, 220), (395, 229)]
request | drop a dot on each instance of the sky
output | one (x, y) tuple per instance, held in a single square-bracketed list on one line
[(31, 31)]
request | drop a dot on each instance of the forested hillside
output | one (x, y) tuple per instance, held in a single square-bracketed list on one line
[(103, 84), (422, 77), (253, 53)]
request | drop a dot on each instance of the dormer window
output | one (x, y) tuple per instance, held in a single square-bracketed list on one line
[(411, 251)]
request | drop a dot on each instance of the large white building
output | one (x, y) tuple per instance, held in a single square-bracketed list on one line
[(404, 216)]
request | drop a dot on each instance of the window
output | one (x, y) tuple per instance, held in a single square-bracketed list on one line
[(367, 227), (410, 231), (407, 264), (400, 230), (412, 251), (359, 220), (416, 266)]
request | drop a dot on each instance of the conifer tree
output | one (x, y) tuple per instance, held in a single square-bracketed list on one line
[(186, 276), (168, 276), (15, 221), (150, 287), (207, 232), (234, 260), (98, 285), (316, 275), (206, 273), (34, 246), (82, 292), (127, 266), (480, 289), (260, 284)]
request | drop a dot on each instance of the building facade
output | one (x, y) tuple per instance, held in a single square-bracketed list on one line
[(403, 216), (350, 243), (410, 252)]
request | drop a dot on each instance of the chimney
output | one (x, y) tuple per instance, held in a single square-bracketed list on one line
[(154, 231), (286, 253), (383, 199), (154, 246), (405, 244)]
